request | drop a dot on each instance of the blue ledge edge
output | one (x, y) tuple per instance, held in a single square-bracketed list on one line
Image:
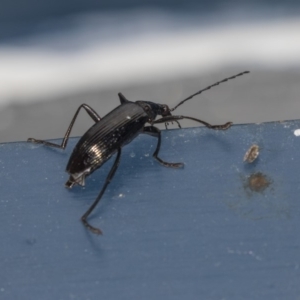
[(207, 231)]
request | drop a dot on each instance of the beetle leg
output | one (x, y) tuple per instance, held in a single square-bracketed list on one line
[(107, 181), (154, 131), (179, 126), (167, 124), (176, 118), (63, 145)]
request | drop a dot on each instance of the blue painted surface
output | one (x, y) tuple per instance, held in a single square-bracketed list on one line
[(194, 233)]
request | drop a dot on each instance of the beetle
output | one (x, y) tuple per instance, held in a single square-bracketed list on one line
[(112, 132)]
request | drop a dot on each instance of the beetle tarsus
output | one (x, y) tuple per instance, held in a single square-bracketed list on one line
[(35, 141), (221, 127), (49, 144), (90, 227)]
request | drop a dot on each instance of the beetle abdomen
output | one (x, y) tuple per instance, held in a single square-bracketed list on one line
[(105, 137)]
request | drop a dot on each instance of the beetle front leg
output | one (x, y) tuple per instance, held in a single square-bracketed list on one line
[(154, 131), (107, 181), (63, 145), (176, 118), (167, 124)]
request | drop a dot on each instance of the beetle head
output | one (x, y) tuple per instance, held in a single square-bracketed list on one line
[(154, 109)]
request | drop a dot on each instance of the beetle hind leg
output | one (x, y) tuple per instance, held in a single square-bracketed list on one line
[(154, 131), (32, 140), (107, 181), (91, 112)]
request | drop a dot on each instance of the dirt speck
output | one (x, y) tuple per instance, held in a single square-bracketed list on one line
[(252, 154), (257, 182)]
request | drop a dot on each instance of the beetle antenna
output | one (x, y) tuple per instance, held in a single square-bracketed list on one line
[(209, 87)]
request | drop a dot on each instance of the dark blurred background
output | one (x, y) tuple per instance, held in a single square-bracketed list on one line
[(55, 55)]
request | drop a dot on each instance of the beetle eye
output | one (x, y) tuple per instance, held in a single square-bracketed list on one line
[(147, 108), (166, 110)]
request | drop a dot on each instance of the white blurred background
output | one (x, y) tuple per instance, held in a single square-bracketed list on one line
[(56, 55)]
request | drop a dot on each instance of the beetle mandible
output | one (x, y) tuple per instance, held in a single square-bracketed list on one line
[(112, 132)]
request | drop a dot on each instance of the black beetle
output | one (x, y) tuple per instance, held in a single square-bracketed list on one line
[(112, 132)]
